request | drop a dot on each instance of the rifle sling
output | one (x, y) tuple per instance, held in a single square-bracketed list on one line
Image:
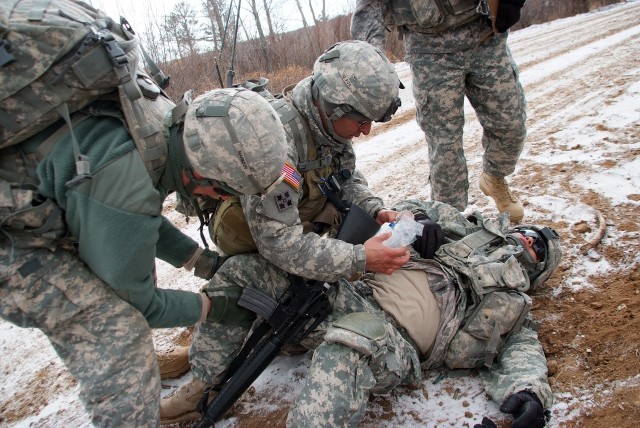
[(253, 340)]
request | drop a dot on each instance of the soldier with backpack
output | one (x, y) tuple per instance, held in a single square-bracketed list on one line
[(353, 84), (464, 309), (90, 147)]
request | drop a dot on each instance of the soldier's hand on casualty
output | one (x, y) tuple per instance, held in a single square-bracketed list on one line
[(431, 239), (508, 14), (208, 263), (381, 258)]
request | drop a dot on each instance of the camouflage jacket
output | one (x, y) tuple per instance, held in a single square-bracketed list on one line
[(278, 230), (520, 363), (371, 19)]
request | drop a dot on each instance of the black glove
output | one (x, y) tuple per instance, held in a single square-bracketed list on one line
[(526, 408), (508, 14), (208, 263), (431, 239), (486, 423)]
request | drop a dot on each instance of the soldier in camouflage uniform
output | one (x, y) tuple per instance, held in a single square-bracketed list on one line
[(453, 52), (77, 256), (385, 328), (352, 85)]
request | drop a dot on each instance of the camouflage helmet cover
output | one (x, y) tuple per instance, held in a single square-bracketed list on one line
[(359, 75), (234, 136), (553, 253)]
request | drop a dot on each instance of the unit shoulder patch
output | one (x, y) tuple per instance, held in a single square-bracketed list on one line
[(283, 200)]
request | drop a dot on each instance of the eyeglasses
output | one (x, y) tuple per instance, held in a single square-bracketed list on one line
[(364, 123), (358, 117), (539, 247)]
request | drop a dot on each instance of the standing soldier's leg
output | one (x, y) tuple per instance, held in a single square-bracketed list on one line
[(104, 342), (438, 88), (494, 90), (217, 340)]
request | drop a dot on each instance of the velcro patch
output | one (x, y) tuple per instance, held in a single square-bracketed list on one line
[(284, 200), (291, 176)]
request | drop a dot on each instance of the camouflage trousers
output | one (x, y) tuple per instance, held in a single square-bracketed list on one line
[(105, 343), (488, 76), (340, 375), (340, 379)]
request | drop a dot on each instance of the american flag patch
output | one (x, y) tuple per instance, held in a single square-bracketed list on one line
[(291, 175)]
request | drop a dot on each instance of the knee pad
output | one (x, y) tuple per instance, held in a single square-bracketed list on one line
[(361, 331)]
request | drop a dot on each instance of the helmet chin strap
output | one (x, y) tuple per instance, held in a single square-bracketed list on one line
[(327, 121), (176, 152)]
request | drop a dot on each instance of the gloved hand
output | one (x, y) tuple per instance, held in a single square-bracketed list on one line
[(486, 423), (508, 14), (208, 263), (526, 408), (431, 239)]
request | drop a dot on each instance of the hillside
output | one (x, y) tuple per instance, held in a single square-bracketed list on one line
[(577, 173)]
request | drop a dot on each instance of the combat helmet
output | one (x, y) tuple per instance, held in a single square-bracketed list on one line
[(546, 245), (354, 76), (234, 139)]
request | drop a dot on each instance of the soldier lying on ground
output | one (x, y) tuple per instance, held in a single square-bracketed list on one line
[(465, 308)]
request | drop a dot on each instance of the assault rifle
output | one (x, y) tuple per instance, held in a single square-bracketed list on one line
[(290, 319)]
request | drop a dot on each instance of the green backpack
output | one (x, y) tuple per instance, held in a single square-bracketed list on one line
[(59, 56)]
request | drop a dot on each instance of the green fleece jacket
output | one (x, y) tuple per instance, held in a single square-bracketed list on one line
[(116, 219)]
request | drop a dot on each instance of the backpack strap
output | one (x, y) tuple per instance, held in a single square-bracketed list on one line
[(83, 169), (301, 135)]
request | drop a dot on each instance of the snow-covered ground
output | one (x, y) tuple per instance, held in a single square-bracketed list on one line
[(582, 80)]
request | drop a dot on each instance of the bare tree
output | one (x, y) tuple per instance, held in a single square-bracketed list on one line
[(264, 45), (304, 21), (214, 31), (182, 25), (267, 11), (313, 15)]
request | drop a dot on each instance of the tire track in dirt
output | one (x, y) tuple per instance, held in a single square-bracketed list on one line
[(560, 39), (553, 107)]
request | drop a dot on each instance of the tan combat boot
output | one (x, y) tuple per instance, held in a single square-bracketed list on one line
[(505, 200), (181, 405), (174, 363)]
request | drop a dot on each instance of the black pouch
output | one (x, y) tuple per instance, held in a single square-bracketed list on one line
[(358, 226)]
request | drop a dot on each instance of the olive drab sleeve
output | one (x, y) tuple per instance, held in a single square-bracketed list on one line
[(116, 219), (367, 22), (173, 246)]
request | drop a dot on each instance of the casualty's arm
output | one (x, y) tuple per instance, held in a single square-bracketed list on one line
[(520, 366)]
